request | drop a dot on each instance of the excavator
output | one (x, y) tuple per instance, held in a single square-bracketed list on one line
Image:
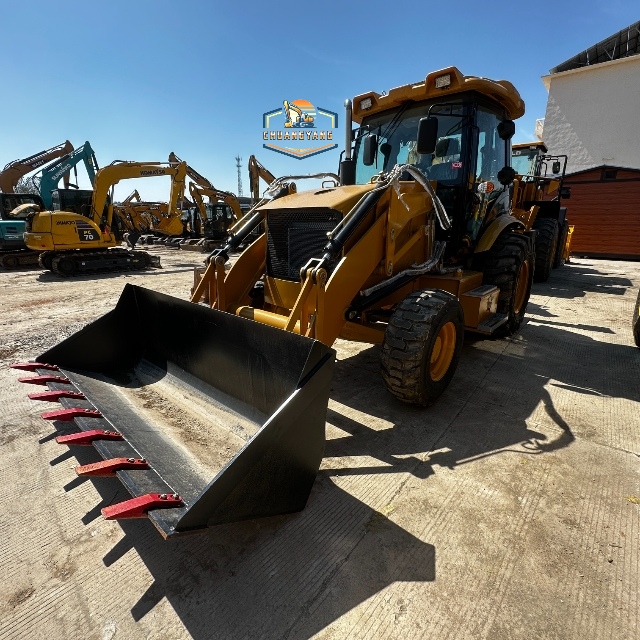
[(295, 116), (537, 201), (14, 207), (409, 246), (83, 235), (218, 214), (50, 176)]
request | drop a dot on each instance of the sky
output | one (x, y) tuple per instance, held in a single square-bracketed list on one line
[(140, 78)]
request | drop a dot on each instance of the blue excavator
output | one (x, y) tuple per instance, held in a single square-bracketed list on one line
[(51, 175), (16, 207)]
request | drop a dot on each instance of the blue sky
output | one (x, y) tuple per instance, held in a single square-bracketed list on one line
[(141, 78)]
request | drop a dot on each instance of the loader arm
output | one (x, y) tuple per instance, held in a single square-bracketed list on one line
[(15, 170)]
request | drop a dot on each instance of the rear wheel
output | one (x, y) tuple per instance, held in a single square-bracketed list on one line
[(636, 322), (421, 346), (546, 247), (509, 265)]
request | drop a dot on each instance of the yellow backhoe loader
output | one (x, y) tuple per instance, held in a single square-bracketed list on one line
[(538, 192), (85, 235), (411, 245)]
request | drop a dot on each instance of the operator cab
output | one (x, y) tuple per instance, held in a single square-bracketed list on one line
[(11, 205), (467, 151), (219, 218)]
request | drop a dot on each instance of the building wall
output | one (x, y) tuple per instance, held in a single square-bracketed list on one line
[(592, 115), (605, 213)]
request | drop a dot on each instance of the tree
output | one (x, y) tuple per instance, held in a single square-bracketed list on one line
[(28, 185)]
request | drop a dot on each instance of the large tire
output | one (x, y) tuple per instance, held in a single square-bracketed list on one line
[(509, 265), (636, 322), (546, 247), (562, 241), (421, 346)]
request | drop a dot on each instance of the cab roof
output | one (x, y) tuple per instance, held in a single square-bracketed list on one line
[(500, 91)]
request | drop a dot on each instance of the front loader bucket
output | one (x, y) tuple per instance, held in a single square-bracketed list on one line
[(209, 418)]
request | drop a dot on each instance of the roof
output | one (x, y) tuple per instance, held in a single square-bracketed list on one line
[(623, 44)]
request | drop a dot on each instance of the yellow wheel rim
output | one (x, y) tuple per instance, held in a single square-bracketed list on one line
[(521, 287), (443, 350)]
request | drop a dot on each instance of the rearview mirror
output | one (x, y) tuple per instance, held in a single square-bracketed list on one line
[(555, 167), (370, 149), (427, 135), (506, 129)]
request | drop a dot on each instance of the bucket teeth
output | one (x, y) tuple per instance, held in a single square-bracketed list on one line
[(138, 507), (66, 415), (54, 396), (42, 380), (85, 438), (33, 366), (109, 467)]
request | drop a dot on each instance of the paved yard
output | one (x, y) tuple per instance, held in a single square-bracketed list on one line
[(510, 509)]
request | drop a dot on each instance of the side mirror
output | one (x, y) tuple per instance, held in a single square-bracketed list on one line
[(555, 167), (506, 175), (565, 192), (427, 135), (506, 129), (370, 149)]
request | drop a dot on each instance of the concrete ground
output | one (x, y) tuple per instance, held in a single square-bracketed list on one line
[(510, 509)]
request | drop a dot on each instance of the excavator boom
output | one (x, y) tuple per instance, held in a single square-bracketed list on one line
[(15, 170)]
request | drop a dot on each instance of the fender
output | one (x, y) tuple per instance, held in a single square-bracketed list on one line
[(491, 233)]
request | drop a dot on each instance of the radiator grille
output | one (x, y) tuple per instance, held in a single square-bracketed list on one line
[(296, 236)]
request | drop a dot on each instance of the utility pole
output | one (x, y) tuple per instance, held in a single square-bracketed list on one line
[(238, 161)]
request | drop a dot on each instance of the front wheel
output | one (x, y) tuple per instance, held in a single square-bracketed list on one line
[(422, 345), (509, 265), (547, 239)]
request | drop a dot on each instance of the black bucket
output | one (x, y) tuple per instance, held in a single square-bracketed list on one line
[(229, 413)]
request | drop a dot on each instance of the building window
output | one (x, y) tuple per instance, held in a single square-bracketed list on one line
[(609, 174)]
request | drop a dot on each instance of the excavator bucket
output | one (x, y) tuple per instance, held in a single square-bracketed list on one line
[(206, 418)]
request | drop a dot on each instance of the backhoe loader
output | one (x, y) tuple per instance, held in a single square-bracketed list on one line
[(409, 246), (537, 201), (83, 234)]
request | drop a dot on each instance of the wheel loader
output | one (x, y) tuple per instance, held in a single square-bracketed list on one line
[(537, 201), (408, 247)]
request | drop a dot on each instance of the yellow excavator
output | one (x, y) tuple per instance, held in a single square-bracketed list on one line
[(214, 217), (85, 235), (409, 247)]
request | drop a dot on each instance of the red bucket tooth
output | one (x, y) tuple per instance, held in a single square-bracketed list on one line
[(67, 415), (85, 438), (43, 380), (32, 366), (109, 467), (138, 507), (54, 396)]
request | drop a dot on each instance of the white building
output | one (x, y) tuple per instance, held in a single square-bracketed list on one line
[(593, 110)]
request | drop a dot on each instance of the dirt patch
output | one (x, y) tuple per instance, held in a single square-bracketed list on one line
[(20, 596)]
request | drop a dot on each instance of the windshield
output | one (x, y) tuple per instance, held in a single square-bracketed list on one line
[(523, 161), (397, 132)]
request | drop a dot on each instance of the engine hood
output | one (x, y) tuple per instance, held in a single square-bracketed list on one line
[(340, 198)]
